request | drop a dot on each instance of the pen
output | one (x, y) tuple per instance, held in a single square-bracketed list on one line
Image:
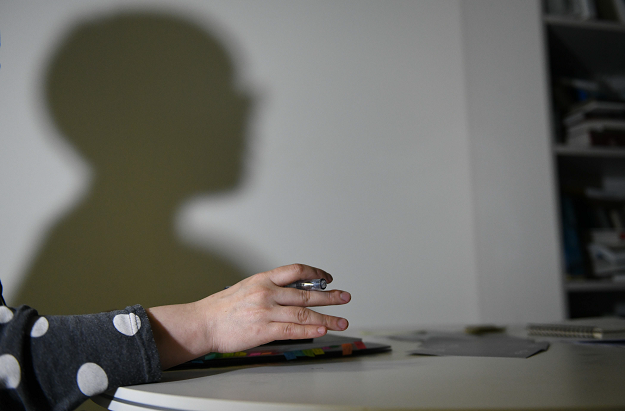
[(317, 284), (309, 285)]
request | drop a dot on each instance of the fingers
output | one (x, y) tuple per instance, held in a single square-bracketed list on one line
[(305, 316), (302, 298), (288, 274), (290, 331)]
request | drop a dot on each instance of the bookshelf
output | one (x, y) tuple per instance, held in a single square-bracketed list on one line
[(586, 62)]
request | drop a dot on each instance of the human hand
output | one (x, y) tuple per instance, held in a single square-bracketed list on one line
[(253, 312)]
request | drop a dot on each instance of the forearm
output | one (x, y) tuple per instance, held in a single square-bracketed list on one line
[(57, 362)]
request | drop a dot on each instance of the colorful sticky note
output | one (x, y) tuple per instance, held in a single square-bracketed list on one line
[(318, 351), (240, 354), (308, 353), (347, 348), (228, 355), (290, 355), (253, 354), (360, 345), (209, 356), (298, 353)]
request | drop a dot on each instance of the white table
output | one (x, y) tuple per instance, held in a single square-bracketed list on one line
[(567, 376)]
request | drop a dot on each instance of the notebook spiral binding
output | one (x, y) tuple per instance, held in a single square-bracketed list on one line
[(565, 331)]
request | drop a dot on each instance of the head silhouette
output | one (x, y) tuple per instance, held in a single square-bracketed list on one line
[(149, 100)]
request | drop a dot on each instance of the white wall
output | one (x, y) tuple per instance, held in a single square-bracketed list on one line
[(367, 156), (513, 176)]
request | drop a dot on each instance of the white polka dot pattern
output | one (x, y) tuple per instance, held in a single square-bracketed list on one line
[(39, 328), (10, 372), (127, 324), (91, 379), (6, 314)]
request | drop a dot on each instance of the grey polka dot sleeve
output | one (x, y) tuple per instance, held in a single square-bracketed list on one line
[(57, 362)]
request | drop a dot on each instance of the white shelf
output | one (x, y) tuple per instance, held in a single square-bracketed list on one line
[(608, 152), (594, 286), (585, 24)]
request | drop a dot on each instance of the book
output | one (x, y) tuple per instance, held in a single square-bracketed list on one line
[(604, 138), (607, 260), (608, 236), (605, 269), (596, 124), (597, 132), (604, 194), (576, 9), (600, 328), (328, 346), (574, 257), (595, 109)]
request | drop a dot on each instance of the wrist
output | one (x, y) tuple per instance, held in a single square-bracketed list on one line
[(178, 333)]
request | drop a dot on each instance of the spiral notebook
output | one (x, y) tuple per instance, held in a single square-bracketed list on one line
[(601, 328)]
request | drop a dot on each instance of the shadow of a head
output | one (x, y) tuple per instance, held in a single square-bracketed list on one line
[(150, 98), (150, 101)]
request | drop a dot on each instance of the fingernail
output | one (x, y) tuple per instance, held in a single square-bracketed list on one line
[(342, 323), (330, 279), (321, 330), (345, 297)]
